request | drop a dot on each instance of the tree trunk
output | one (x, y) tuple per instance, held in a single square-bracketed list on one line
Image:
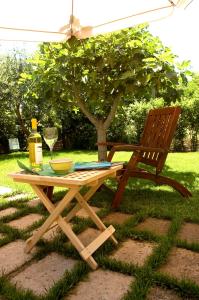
[(101, 140), (100, 126), (21, 122)]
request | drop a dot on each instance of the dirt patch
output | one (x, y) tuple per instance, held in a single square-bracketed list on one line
[(157, 293), (189, 232), (117, 218), (157, 226), (26, 221), (134, 252), (102, 285), (182, 264), (42, 275)]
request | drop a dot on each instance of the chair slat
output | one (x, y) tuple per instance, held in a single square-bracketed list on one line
[(158, 132)]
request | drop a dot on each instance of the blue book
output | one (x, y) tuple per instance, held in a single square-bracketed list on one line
[(92, 165)]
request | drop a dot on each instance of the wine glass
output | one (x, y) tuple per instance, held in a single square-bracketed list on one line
[(50, 135)]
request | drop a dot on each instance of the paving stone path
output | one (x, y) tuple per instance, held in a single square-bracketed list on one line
[(17, 197), (5, 190), (40, 274), (157, 226), (7, 212), (26, 221), (102, 284)]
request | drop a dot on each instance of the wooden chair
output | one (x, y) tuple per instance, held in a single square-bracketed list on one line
[(154, 146)]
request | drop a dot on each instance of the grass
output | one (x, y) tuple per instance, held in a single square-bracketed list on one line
[(8, 165), (142, 199)]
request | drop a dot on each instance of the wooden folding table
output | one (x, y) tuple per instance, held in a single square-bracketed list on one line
[(93, 179)]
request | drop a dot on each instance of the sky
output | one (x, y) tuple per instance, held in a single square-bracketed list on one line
[(179, 32)]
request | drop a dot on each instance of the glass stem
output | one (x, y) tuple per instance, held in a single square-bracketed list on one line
[(51, 153)]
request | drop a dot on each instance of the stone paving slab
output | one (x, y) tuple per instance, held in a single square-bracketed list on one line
[(88, 235), (157, 293), (83, 214), (8, 211), (182, 264), (33, 202), (25, 221), (2, 235), (50, 234), (157, 226), (134, 252), (13, 256), (102, 285), (189, 232), (41, 275), (17, 197), (116, 218), (5, 190)]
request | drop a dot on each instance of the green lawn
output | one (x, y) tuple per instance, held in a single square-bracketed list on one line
[(8, 165), (142, 199), (182, 166), (161, 200)]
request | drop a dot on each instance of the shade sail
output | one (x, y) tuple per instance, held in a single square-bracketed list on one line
[(58, 20)]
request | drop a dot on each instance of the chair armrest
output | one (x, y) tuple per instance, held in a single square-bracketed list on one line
[(109, 144), (126, 147), (133, 148)]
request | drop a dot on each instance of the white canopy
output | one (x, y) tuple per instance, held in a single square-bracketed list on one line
[(50, 20)]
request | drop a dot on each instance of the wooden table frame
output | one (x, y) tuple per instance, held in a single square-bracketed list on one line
[(74, 182)]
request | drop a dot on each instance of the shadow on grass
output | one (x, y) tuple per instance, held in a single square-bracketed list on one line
[(157, 200), (14, 155), (188, 179)]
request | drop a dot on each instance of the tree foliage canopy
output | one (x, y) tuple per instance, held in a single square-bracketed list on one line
[(98, 74)]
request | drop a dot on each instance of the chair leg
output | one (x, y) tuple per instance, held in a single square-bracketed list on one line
[(49, 191), (120, 190)]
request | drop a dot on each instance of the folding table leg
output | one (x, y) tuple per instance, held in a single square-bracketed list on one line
[(76, 242), (87, 196), (93, 215), (55, 212), (61, 222)]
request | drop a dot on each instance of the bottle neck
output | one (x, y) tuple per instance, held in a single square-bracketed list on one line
[(34, 125)]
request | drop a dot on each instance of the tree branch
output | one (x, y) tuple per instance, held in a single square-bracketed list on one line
[(87, 113), (83, 107), (112, 112)]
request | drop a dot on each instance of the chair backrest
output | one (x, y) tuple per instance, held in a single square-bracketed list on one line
[(158, 132)]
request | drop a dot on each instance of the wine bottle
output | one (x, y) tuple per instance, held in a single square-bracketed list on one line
[(35, 147)]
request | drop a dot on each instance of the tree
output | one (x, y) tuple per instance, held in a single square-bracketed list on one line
[(11, 91), (98, 74), (190, 105)]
